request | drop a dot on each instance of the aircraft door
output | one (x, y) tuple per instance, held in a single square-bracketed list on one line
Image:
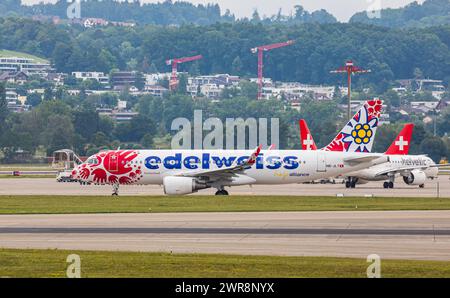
[(321, 162), (114, 162)]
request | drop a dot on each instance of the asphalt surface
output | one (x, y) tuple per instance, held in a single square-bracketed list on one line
[(46, 186), (423, 235)]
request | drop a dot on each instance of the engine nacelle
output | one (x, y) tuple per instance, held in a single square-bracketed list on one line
[(182, 185), (416, 177)]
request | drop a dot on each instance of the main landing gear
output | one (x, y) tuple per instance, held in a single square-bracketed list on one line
[(389, 184), (115, 190), (351, 182), (221, 192)]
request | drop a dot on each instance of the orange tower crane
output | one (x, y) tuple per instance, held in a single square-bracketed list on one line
[(260, 50), (174, 62)]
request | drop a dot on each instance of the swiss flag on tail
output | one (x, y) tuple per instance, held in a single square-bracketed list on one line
[(402, 142), (306, 138)]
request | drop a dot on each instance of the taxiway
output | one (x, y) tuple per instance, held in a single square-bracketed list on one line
[(422, 235)]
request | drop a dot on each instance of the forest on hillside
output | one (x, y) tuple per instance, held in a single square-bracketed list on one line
[(390, 53), (429, 13)]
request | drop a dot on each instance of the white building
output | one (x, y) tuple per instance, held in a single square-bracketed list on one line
[(93, 75), (26, 65), (425, 106), (296, 91), (152, 79), (218, 79), (155, 90), (11, 95)]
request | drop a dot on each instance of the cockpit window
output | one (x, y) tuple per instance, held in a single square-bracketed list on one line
[(92, 161)]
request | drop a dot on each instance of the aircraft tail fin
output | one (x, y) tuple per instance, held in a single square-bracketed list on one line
[(358, 134), (401, 144), (306, 139)]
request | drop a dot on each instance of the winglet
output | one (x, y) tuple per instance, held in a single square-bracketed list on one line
[(306, 139), (401, 144)]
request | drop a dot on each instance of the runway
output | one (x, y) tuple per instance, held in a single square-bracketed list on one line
[(46, 186), (422, 235)]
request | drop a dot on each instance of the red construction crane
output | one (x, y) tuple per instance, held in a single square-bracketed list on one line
[(350, 69), (260, 50), (174, 62)]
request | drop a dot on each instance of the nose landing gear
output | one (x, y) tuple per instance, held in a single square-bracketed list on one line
[(115, 190)]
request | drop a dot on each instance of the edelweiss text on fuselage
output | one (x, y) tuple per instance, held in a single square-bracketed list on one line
[(178, 161)]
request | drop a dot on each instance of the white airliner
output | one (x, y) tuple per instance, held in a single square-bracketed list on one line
[(414, 169), (187, 171)]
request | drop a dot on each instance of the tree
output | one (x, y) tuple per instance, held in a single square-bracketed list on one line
[(86, 122), (147, 141), (100, 139), (58, 133), (182, 84), (418, 74), (236, 66), (392, 97), (249, 89), (434, 147), (34, 99), (140, 81), (48, 93), (3, 105), (255, 16)]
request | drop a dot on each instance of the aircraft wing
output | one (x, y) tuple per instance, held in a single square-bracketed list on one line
[(440, 165), (225, 172), (409, 168), (375, 159)]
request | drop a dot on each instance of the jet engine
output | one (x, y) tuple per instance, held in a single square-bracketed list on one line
[(182, 185), (416, 177)]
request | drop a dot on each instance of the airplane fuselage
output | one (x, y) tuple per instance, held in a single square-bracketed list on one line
[(398, 164), (271, 167)]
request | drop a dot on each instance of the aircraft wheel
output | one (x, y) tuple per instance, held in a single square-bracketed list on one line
[(347, 184), (391, 184), (222, 192), (386, 184), (422, 185)]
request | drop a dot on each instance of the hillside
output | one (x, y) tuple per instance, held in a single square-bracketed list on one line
[(7, 53), (162, 13), (430, 13), (390, 53)]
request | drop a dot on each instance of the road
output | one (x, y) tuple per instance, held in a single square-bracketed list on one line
[(422, 235), (45, 186)]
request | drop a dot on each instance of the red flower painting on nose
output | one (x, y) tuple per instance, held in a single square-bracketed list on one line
[(99, 176), (113, 179), (112, 167), (125, 180), (84, 173)]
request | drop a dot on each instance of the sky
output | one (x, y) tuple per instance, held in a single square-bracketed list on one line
[(341, 9)]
